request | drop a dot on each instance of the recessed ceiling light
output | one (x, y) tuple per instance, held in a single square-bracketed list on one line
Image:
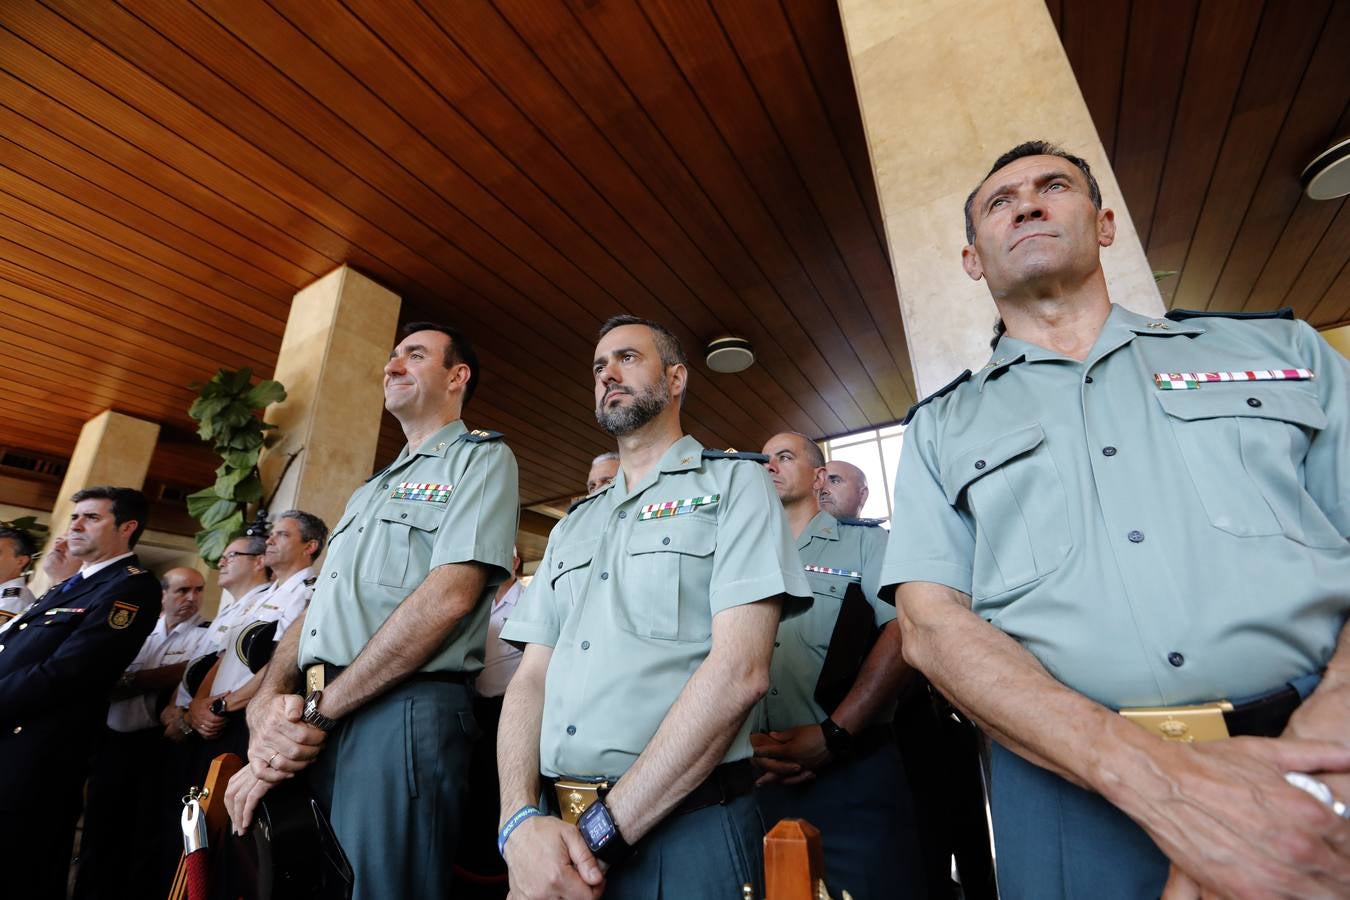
[(1328, 175), (729, 355)]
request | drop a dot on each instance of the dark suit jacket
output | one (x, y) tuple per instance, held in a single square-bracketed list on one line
[(59, 662)]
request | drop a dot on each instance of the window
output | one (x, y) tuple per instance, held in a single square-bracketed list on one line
[(877, 453)]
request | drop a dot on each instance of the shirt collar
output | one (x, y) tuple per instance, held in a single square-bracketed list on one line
[(192, 621), (91, 571), (1121, 327), (823, 526), (289, 583), (681, 456), (438, 443), (509, 598)]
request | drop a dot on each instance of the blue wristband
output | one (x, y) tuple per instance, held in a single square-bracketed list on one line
[(525, 812)]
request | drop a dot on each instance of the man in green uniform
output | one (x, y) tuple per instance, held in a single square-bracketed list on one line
[(394, 634), (648, 631), (827, 750), (1122, 512)]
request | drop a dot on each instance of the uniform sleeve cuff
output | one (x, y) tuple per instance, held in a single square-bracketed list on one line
[(488, 556), (753, 590), (519, 633), (955, 577)]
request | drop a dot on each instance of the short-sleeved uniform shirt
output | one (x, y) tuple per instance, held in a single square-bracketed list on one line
[(626, 594), (282, 602), (455, 499), (15, 597), (187, 640), (1149, 545), (834, 554)]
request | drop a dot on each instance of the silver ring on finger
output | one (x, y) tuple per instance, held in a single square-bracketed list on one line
[(275, 754)]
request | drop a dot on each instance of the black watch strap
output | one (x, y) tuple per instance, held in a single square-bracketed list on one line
[(838, 741), (602, 835)]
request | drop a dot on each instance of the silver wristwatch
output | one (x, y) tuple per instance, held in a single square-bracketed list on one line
[(312, 715)]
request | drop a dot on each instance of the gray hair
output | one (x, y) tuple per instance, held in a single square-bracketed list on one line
[(605, 457)]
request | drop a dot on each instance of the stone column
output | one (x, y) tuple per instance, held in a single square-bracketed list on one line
[(337, 341), (113, 449), (944, 88)]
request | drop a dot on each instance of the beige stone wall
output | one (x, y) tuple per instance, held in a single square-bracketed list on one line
[(944, 88)]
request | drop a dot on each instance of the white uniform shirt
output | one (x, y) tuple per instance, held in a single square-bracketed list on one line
[(500, 659), (14, 598), (219, 629), (187, 640), (282, 603)]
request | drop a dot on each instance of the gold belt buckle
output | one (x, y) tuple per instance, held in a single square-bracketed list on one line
[(314, 679), (575, 796), (1186, 724)]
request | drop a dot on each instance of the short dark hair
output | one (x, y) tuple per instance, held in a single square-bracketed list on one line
[(128, 505), (254, 544), (1031, 148), (458, 350), (24, 545), (814, 456), (312, 528)]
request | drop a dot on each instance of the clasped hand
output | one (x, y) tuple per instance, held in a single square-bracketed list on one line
[(280, 745)]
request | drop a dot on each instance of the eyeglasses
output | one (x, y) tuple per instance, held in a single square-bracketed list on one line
[(226, 557)]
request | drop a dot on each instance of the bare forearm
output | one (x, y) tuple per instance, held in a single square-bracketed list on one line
[(877, 684), (701, 724), (1325, 715), (411, 635), (518, 733), (1000, 685), (240, 697)]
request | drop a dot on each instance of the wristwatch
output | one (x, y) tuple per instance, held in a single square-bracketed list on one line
[(838, 741), (183, 725), (218, 706), (312, 715), (602, 835)]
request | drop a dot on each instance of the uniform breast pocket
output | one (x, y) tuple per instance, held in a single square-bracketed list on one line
[(402, 549), (62, 619), (1012, 488), (1244, 446), (669, 571), (571, 566)]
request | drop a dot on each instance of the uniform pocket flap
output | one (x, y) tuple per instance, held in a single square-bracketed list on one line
[(421, 516), (973, 464), (572, 556), (342, 525), (1283, 401), (691, 536)]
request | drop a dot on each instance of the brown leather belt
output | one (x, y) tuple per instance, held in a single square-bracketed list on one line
[(1265, 716), (570, 797), (320, 675)]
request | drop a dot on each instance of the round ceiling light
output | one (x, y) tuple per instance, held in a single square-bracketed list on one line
[(729, 355), (1328, 176)]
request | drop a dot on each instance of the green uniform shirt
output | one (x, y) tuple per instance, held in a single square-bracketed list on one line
[(855, 552), (1148, 546), (454, 500), (626, 595)]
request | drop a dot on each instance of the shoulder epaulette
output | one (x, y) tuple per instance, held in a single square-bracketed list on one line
[(580, 500), (10, 592), (383, 471), (865, 523), (1181, 315), (735, 454), (940, 392), (135, 570), (309, 582), (479, 437), (204, 624)]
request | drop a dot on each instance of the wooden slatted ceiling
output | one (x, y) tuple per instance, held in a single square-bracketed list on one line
[(171, 173), (1209, 111)]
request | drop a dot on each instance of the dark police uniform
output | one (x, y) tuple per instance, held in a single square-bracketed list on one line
[(1163, 523), (59, 661)]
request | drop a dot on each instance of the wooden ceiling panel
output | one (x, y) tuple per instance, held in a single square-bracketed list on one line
[(1208, 127)]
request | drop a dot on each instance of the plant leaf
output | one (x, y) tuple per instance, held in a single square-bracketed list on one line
[(211, 542), (265, 393), (209, 508)]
